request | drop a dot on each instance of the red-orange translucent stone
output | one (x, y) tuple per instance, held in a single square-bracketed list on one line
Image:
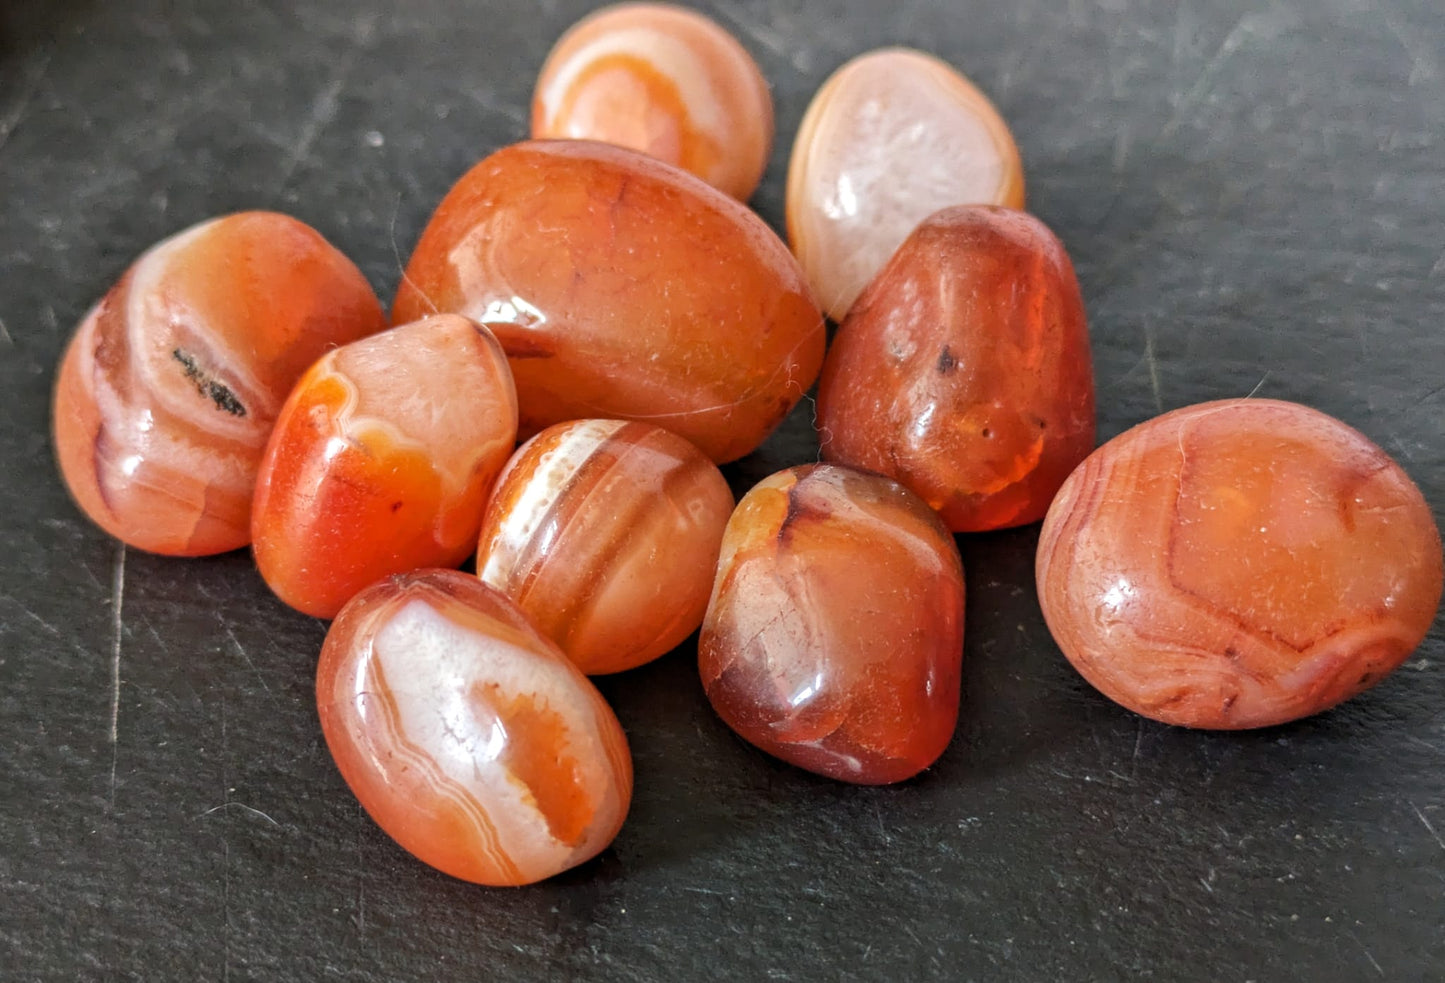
[(381, 461), (606, 534), (623, 288), (834, 636), (168, 391), (1238, 564), (666, 81), (467, 736), (964, 370)]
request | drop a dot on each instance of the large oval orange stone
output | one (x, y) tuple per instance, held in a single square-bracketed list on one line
[(622, 287)]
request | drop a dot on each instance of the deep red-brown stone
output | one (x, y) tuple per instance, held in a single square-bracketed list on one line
[(834, 637), (964, 370)]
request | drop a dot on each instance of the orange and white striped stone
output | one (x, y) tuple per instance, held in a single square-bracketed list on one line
[(467, 736), (606, 533)]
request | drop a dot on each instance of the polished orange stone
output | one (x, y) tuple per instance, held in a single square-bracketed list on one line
[(622, 288), (834, 636), (893, 136), (467, 736), (964, 371), (168, 391), (1238, 564), (381, 461), (663, 80), (606, 534)]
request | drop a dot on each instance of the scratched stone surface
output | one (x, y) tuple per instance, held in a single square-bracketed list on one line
[(1252, 195)]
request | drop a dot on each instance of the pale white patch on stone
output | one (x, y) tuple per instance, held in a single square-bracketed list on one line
[(438, 675), (554, 470), (894, 141)]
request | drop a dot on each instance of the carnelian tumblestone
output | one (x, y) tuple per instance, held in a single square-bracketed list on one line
[(466, 735), (663, 80), (606, 534), (964, 372), (622, 287), (893, 136), (1238, 564), (168, 391), (381, 461), (834, 636)]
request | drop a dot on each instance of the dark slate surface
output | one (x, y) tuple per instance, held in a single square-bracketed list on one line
[(1253, 194)]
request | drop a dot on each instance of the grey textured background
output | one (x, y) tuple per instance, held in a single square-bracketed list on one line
[(1253, 196)]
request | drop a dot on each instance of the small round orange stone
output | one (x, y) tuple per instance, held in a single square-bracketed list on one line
[(606, 534), (665, 81)]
